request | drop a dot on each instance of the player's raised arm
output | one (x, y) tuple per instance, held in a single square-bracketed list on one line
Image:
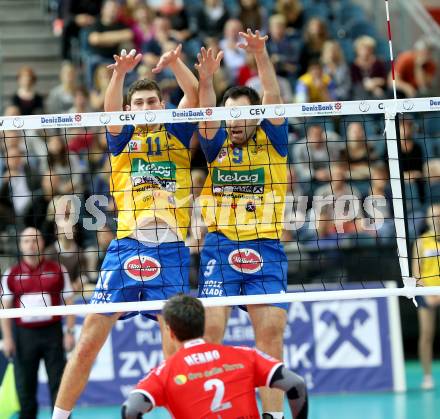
[(207, 66), (185, 78), (113, 101), (255, 44)]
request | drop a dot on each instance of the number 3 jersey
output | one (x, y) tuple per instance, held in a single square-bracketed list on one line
[(244, 194), (151, 176), (204, 380)]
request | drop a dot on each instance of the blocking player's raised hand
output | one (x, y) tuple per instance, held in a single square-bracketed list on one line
[(254, 42), (167, 59), (124, 63), (208, 63)]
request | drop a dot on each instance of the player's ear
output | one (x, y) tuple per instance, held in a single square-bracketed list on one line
[(127, 108)]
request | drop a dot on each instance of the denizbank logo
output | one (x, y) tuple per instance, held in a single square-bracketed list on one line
[(240, 181), (190, 115), (156, 175), (322, 108), (434, 104), (61, 121)]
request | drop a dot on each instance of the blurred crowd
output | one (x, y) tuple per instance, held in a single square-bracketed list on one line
[(322, 51)]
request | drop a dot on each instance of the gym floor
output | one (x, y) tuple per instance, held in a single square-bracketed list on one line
[(414, 403)]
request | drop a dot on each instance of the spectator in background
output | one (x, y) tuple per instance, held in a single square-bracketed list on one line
[(334, 65), (26, 99), (210, 19), (252, 15), (142, 27), (338, 186), (221, 78), (315, 85), (411, 152), (36, 282), (61, 97), (127, 11), (81, 100), (21, 202), (368, 73), (64, 170), (102, 79), (282, 48), (358, 155), (312, 155), (411, 164), (293, 12), (416, 70), (314, 36), (160, 41), (426, 269), (178, 18), (234, 57), (66, 251), (380, 198), (76, 15), (431, 172), (105, 39)]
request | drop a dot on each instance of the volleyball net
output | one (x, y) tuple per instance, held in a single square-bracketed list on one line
[(360, 182)]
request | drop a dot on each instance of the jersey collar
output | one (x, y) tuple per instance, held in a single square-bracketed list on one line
[(193, 342)]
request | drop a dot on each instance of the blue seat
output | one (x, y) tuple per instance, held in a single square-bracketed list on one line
[(356, 28), (350, 12), (320, 10), (348, 49)]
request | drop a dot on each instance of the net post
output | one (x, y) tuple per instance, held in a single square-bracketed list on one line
[(392, 137)]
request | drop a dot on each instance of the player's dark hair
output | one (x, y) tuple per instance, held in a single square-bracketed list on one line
[(238, 91), (185, 316), (143, 84)]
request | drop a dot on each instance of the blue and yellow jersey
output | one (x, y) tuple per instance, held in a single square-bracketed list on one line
[(244, 193), (428, 250), (151, 177)]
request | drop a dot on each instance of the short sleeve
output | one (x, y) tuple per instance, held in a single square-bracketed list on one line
[(182, 131), (277, 135), (67, 289), (116, 143), (212, 147), (264, 368), (5, 292), (153, 388)]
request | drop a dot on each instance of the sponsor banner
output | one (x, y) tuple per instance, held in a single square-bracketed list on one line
[(337, 346), (60, 121), (321, 108), (178, 115), (434, 104)]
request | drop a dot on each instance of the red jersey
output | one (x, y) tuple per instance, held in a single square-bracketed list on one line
[(204, 380), (46, 284)]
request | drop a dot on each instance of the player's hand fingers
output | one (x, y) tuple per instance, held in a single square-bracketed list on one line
[(132, 53), (123, 52)]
